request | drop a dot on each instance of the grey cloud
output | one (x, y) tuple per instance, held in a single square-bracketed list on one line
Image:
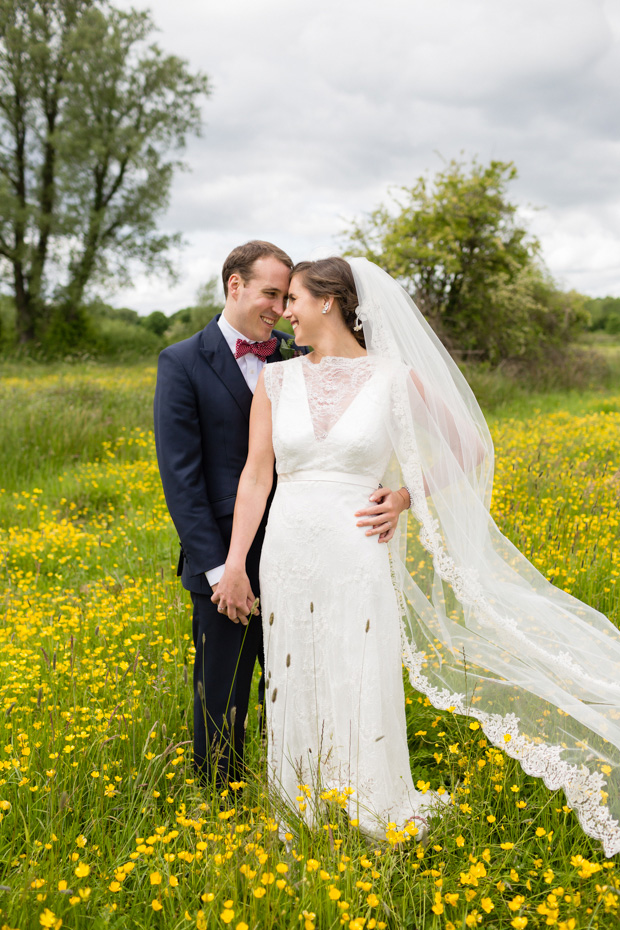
[(317, 110)]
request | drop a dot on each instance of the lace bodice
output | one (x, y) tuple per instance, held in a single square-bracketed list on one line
[(330, 415)]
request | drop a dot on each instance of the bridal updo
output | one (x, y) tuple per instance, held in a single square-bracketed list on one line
[(332, 277)]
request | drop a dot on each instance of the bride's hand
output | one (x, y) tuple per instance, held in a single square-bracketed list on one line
[(233, 596), (382, 518)]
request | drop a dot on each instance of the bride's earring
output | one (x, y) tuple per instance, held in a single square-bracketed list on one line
[(326, 306)]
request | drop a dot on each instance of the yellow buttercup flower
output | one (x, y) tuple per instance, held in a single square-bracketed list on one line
[(49, 920)]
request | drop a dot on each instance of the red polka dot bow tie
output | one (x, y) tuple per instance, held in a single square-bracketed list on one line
[(261, 350)]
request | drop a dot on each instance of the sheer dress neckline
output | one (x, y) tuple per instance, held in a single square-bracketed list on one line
[(332, 385), (334, 358)]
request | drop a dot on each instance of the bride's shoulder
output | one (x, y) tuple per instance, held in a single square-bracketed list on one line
[(386, 367), (391, 372), (282, 365), (277, 370), (396, 367), (274, 374)]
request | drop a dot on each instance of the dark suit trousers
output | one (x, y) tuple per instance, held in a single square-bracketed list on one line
[(223, 668)]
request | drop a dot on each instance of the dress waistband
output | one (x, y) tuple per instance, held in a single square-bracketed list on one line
[(342, 477)]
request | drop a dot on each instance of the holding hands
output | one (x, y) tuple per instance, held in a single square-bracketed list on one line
[(233, 593), (234, 597)]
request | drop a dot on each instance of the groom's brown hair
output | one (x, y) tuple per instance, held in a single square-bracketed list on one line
[(241, 260)]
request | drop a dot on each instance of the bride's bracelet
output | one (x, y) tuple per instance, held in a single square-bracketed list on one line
[(405, 488)]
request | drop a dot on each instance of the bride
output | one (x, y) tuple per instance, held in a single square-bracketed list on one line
[(380, 400)]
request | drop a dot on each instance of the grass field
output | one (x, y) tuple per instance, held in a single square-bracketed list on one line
[(102, 824)]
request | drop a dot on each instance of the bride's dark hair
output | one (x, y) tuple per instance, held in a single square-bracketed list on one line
[(332, 277)]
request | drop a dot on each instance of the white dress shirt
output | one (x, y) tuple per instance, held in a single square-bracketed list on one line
[(251, 367)]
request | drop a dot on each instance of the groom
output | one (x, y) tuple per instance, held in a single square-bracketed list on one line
[(202, 407)]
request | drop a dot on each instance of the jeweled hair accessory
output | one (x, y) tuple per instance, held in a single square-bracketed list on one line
[(363, 315)]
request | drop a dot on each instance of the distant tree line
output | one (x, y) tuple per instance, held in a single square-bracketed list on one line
[(122, 333)]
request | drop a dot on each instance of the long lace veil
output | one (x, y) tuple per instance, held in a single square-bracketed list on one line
[(484, 633)]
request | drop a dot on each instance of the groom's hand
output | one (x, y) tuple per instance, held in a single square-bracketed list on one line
[(382, 518), (234, 597)]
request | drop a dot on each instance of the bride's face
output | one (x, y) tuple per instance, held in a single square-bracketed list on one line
[(304, 312)]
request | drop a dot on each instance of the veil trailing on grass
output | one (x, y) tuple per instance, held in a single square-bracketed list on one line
[(484, 633)]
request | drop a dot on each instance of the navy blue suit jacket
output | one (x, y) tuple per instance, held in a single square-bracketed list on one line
[(202, 409)]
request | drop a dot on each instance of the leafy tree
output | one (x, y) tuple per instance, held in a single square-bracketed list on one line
[(605, 314), (92, 120), (157, 322), (526, 317), (209, 302), (456, 245)]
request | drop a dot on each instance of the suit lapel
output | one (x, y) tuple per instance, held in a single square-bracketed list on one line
[(215, 350), (275, 355), (284, 337)]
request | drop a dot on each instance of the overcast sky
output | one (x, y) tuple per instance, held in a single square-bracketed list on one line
[(318, 108)]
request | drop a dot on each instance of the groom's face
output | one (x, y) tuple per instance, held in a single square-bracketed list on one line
[(258, 304)]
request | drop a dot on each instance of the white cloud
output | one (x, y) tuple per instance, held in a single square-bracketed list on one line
[(317, 109)]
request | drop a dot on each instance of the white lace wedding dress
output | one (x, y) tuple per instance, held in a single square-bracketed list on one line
[(334, 688)]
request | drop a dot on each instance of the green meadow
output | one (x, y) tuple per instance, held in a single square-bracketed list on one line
[(102, 823)]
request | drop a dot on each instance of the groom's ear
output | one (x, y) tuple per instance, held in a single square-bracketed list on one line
[(234, 285)]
